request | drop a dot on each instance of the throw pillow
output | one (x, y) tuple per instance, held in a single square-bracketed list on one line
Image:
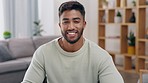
[(4, 53)]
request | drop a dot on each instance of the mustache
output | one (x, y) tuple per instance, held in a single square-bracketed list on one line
[(71, 31)]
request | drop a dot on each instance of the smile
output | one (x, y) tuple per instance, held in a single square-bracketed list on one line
[(72, 32)]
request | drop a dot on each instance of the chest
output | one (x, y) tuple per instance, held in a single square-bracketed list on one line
[(79, 68)]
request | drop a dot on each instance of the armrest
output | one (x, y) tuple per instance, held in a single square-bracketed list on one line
[(142, 71), (12, 65)]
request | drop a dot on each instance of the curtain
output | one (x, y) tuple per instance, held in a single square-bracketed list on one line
[(1, 20), (20, 16)]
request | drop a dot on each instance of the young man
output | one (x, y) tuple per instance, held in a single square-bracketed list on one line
[(72, 58)]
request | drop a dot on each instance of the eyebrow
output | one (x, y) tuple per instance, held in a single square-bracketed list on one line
[(77, 18), (65, 19)]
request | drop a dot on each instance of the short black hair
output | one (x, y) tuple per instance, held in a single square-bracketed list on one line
[(72, 5)]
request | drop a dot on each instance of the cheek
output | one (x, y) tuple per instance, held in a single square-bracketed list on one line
[(63, 26), (62, 29), (81, 26)]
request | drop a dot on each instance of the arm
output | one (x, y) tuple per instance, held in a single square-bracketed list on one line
[(108, 72), (35, 72)]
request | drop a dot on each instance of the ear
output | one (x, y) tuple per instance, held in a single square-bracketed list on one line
[(59, 25), (84, 23)]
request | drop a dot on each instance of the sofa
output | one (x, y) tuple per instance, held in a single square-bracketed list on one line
[(143, 76), (16, 55)]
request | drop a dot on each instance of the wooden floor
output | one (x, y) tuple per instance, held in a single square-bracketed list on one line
[(129, 77)]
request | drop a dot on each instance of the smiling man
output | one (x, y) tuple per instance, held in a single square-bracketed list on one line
[(72, 58)]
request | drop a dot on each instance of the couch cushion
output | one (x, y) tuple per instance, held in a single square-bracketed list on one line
[(22, 47), (26, 59), (4, 42), (4, 52), (13, 66), (39, 40)]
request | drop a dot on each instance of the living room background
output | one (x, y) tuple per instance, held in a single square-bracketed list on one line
[(20, 14)]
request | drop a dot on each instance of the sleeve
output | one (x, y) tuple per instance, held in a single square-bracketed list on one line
[(107, 72), (35, 72)]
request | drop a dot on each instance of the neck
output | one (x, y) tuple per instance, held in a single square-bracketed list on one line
[(71, 47)]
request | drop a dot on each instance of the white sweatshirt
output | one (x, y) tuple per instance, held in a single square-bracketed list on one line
[(87, 65)]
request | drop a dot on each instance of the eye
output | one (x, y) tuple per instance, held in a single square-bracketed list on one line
[(76, 21), (65, 22)]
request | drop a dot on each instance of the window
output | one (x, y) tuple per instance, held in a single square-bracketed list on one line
[(1, 19)]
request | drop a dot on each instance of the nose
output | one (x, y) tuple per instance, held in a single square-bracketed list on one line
[(71, 26)]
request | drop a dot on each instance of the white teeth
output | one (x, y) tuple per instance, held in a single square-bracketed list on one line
[(71, 33)]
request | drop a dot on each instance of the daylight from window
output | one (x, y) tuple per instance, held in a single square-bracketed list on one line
[(1, 20)]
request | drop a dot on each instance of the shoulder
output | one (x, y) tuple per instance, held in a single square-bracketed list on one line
[(45, 48), (98, 54), (96, 50), (48, 45)]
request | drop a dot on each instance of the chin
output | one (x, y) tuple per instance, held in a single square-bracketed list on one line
[(72, 42)]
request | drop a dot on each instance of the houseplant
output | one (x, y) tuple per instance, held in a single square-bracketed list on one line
[(38, 28), (131, 43), (134, 3), (118, 17), (6, 35)]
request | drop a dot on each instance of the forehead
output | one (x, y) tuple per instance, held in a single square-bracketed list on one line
[(71, 14)]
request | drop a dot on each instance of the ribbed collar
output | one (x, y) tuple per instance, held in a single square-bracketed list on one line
[(71, 54)]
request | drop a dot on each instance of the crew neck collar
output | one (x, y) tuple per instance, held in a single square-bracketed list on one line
[(81, 50)]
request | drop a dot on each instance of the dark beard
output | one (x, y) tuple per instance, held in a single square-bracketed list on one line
[(72, 42)]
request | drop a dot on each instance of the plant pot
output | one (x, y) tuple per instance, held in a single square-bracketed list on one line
[(7, 36), (131, 50), (104, 6), (117, 19)]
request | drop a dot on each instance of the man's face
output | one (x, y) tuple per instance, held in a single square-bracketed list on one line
[(72, 25)]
